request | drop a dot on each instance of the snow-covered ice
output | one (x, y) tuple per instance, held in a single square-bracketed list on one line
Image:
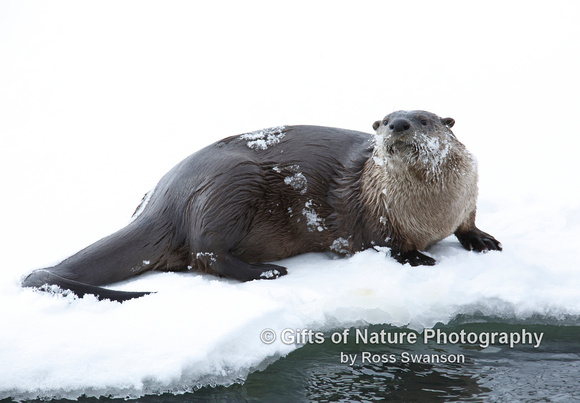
[(199, 329)]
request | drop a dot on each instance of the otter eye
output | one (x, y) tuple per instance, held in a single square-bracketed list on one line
[(424, 122), (386, 122)]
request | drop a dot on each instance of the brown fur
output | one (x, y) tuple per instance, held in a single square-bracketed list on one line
[(423, 200), (422, 180)]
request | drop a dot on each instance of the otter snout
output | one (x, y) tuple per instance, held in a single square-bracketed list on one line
[(399, 125)]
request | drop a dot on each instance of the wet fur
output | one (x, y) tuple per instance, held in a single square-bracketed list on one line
[(234, 206)]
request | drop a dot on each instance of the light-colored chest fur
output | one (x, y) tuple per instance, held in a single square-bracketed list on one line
[(424, 196)]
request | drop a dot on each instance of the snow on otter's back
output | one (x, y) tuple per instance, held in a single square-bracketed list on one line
[(312, 219), (298, 181), (262, 139)]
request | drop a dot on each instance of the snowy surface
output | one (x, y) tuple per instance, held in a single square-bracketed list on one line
[(98, 101)]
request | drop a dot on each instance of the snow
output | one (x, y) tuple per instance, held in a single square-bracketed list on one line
[(297, 181), (99, 100), (313, 220), (340, 245), (264, 138), (270, 274)]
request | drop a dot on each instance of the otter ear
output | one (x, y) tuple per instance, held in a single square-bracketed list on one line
[(376, 124), (449, 122)]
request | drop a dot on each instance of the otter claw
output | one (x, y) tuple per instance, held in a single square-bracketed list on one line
[(478, 241)]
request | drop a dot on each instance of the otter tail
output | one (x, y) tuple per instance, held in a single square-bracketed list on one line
[(141, 246), (44, 278)]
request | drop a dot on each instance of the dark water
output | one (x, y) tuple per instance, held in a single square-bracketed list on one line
[(314, 372)]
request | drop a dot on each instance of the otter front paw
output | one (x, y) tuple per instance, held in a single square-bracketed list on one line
[(478, 241), (414, 258)]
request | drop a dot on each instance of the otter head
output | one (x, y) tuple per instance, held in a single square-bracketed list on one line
[(416, 138)]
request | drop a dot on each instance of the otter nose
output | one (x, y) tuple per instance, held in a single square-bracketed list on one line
[(399, 125)]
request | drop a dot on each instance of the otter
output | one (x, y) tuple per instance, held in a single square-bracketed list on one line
[(243, 202)]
